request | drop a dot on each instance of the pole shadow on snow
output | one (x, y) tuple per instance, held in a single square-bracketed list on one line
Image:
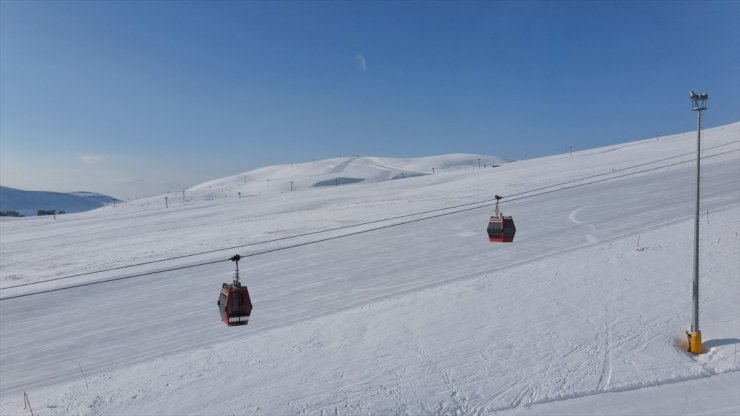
[(683, 343), (719, 342)]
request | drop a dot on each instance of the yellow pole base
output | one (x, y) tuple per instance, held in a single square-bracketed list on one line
[(695, 342)]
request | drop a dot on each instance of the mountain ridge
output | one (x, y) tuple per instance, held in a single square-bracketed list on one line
[(29, 203)]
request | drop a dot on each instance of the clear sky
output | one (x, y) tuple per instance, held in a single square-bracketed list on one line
[(135, 98)]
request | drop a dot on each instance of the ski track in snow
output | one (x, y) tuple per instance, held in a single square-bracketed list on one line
[(589, 237), (342, 166)]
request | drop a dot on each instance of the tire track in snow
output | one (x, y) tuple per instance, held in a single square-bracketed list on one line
[(605, 378), (393, 391), (460, 400), (633, 387)]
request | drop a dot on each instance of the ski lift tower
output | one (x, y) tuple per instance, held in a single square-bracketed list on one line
[(698, 104)]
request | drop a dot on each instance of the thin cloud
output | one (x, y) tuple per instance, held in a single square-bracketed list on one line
[(361, 61), (92, 159)]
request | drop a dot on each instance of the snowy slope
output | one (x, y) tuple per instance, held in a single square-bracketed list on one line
[(589, 302), (467, 346), (338, 171)]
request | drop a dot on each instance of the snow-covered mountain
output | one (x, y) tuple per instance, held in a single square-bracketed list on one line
[(340, 171), (28, 203), (385, 297)]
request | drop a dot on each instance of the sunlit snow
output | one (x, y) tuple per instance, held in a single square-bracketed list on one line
[(583, 313)]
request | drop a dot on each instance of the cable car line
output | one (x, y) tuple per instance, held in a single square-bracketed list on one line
[(259, 253), (480, 204), (501, 228), (376, 221), (114, 279), (619, 170), (617, 177), (273, 240), (244, 245)]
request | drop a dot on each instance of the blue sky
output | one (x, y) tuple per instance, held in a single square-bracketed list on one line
[(137, 98)]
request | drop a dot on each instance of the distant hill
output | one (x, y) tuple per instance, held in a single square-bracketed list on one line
[(340, 171), (28, 203)]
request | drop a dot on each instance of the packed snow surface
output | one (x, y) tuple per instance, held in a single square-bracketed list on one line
[(584, 313)]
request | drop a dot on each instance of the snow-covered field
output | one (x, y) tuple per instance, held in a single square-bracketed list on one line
[(583, 314)]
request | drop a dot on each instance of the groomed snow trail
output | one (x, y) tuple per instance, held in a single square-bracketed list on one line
[(465, 347)]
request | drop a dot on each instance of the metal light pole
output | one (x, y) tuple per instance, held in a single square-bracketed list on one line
[(698, 104)]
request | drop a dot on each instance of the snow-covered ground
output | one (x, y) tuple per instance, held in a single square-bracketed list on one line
[(584, 313)]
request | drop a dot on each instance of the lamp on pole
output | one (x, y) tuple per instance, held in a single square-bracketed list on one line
[(698, 104)]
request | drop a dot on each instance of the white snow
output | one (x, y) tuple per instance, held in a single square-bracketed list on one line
[(583, 314), (354, 169)]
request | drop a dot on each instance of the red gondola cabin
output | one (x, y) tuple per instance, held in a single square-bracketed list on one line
[(234, 302), (501, 229)]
